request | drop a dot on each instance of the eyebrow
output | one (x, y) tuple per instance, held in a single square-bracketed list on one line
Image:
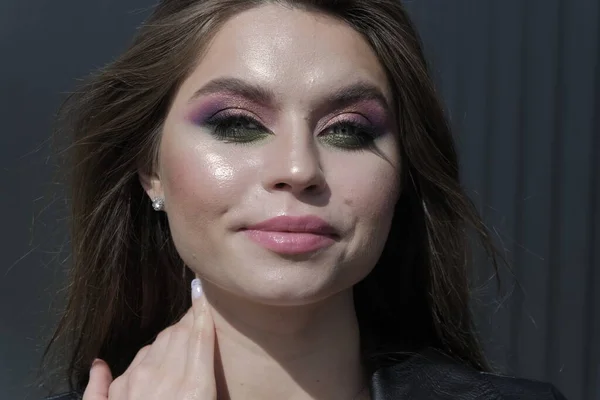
[(359, 91), (340, 98), (238, 87)]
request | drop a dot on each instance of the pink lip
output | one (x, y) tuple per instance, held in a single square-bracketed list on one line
[(292, 235)]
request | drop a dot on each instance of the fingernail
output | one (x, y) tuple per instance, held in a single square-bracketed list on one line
[(196, 288), (96, 361)]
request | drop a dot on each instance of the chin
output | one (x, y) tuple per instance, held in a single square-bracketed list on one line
[(297, 286)]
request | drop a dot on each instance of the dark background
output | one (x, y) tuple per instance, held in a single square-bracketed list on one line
[(521, 81)]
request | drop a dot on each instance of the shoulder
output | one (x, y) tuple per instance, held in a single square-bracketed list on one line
[(518, 388), (435, 376), (432, 375)]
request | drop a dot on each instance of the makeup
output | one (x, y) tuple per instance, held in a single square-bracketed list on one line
[(367, 111), (233, 118), (290, 242), (292, 235), (207, 107), (300, 128)]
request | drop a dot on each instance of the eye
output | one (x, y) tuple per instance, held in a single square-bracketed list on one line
[(350, 135), (236, 128)]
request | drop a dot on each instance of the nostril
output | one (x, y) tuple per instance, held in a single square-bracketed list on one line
[(308, 188)]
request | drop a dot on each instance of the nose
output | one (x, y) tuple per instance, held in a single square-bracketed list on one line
[(292, 163)]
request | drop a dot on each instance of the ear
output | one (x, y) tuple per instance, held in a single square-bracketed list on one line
[(151, 183)]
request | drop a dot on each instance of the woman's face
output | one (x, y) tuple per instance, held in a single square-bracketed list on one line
[(287, 114)]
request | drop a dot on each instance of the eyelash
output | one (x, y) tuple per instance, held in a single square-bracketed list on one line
[(364, 134), (222, 127)]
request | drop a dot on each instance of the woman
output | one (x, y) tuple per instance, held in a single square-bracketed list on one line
[(293, 157)]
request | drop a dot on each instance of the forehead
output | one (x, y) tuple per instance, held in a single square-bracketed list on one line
[(292, 52)]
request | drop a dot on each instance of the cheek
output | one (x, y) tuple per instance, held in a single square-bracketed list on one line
[(373, 196), (200, 182), (370, 193), (372, 186)]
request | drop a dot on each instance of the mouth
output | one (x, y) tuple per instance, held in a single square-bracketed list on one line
[(293, 235)]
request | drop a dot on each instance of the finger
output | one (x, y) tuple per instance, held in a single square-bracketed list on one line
[(99, 383), (169, 340), (144, 352), (139, 357), (176, 353), (202, 339), (158, 348)]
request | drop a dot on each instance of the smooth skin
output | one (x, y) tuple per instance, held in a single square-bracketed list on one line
[(285, 327)]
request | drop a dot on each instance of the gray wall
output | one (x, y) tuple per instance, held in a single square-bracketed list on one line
[(521, 80)]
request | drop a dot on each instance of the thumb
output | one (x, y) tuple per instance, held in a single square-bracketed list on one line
[(100, 380)]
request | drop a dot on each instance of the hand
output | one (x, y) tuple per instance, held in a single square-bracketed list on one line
[(178, 365)]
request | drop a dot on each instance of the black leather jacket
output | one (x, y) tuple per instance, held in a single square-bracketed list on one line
[(432, 376)]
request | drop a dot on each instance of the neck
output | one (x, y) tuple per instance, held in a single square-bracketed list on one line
[(297, 352)]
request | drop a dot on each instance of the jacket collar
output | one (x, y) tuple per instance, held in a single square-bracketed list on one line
[(416, 376)]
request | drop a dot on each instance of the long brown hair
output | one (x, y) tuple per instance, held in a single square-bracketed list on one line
[(124, 260)]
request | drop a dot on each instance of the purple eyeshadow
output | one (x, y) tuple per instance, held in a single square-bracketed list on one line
[(206, 110), (374, 113), (371, 112), (214, 104)]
